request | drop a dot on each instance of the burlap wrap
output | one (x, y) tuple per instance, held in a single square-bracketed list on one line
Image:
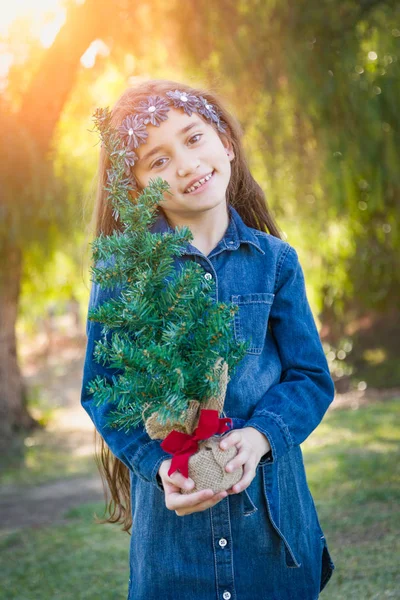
[(207, 466)]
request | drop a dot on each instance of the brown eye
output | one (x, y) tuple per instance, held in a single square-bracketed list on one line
[(195, 138), (158, 163)]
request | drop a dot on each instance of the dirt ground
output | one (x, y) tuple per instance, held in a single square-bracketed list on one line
[(54, 369)]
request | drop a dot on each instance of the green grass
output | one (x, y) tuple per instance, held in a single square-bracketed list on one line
[(352, 464), (45, 456), (79, 560)]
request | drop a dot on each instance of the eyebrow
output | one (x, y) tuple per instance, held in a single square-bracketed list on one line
[(181, 132)]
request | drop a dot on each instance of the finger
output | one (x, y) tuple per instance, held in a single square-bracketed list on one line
[(248, 476), (231, 439), (202, 505), (181, 481), (249, 473), (240, 459), (176, 500), (170, 488)]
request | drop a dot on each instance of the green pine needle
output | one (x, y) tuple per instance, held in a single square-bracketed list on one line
[(163, 332)]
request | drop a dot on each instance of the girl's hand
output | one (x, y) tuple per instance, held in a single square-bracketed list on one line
[(252, 446), (185, 504)]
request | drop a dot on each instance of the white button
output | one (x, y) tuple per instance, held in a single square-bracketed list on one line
[(226, 595), (222, 542), (232, 243), (208, 276)]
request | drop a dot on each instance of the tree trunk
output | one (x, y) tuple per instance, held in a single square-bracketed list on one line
[(13, 413), (49, 90), (40, 110)]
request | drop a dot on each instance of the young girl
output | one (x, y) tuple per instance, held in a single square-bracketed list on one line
[(262, 538)]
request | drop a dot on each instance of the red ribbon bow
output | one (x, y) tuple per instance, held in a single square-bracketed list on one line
[(183, 445)]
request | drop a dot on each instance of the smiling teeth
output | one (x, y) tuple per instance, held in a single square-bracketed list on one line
[(198, 184)]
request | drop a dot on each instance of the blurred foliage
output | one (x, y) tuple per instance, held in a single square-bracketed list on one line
[(28, 208), (315, 87)]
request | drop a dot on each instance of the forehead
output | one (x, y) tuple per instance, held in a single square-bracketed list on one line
[(170, 128)]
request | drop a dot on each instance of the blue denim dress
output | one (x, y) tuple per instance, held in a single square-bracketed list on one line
[(265, 543)]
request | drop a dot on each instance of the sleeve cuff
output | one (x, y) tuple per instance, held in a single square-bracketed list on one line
[(273, 428), (147, 460)]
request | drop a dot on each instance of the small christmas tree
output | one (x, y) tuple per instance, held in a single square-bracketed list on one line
[(169, 339)]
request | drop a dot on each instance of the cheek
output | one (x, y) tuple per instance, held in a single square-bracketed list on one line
[(144, 181), (142, 178), (222, 159), (145, 177)]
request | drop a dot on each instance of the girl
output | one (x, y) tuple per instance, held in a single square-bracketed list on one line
[(261, 539)]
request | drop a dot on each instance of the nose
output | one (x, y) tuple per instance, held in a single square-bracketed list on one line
[(187, 164)]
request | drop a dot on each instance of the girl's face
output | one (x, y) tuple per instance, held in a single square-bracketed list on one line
[(184, 150)]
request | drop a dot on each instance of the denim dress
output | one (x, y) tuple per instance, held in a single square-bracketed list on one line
[(265, 543)]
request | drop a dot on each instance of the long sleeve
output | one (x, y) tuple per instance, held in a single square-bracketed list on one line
[(142, 455), (290, 410)]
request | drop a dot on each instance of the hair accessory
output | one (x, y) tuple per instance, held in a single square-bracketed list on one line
[(154, 111), (133, 131), (210, 112), (188, 102), (130, 157)]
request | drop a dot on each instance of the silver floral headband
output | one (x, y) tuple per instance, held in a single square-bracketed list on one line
[(154, 110)]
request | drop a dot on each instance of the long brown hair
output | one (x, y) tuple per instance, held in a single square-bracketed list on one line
[(243, 193)]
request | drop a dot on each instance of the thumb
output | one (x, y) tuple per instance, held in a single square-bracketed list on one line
[(181, 481)]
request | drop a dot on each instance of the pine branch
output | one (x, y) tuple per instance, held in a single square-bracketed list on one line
[(164, 332)]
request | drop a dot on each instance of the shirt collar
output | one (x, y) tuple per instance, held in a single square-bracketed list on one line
[(237, 232)]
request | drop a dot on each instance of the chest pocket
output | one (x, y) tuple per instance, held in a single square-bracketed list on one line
[(251, 320)]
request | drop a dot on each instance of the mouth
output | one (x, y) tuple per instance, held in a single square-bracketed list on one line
[(200, 184)]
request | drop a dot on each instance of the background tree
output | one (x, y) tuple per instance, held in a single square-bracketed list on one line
[(315, 87), (38, 214), (33, 205)]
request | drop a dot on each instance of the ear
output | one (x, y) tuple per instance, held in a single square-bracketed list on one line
[(228, 148)]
